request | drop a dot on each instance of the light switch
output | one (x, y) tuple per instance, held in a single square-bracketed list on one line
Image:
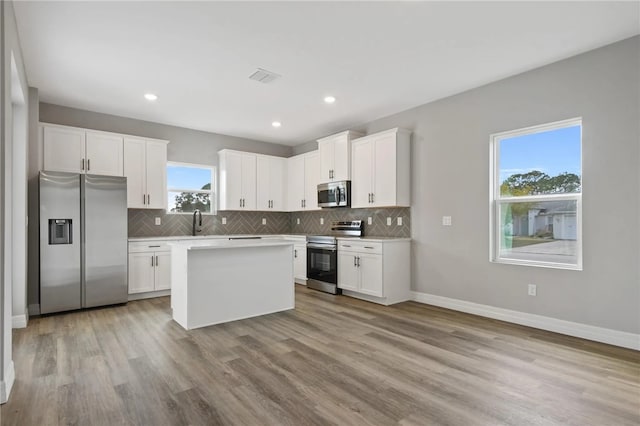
[(399, 220), (446, 220), (264, 221), (370, 221), (158, 221), (224, 220), (389, 221), (322, 221)]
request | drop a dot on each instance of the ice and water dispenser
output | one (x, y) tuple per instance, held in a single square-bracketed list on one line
[(60, 231)]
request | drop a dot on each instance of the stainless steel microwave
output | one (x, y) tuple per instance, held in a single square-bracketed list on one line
[(335, 194)]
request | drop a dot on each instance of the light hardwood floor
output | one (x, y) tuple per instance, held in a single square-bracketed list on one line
[(334, 360)]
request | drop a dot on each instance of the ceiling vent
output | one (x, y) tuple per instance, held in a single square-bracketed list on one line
[(264, 76)]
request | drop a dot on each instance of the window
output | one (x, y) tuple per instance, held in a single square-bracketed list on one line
[(536, 195), (190, 187)]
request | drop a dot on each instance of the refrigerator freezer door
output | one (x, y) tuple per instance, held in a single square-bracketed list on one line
[(60, 274), (105, 240)]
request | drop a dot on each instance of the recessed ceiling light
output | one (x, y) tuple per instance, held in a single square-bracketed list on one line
[(150, 96), (329, 99), (276, 124)]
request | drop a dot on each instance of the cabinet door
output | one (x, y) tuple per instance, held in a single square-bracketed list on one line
[(263, 183), (249, 182), (104, 154), (64, 149), (361, 174), (134, 169), (371, 274), (276, 183), (156, 175), (295, 186), (163, 270), (384, 171), (348, 273), (326, 152), (342, 159), (300, 262), (230, 181), (141, 277), (311, 180)]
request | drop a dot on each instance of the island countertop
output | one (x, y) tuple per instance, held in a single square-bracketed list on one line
[(227, 244)]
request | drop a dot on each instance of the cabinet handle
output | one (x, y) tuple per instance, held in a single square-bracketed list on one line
[(373, 197), (148, 198), (295, 253), (144, 199), (354, 261), (153, 246), (88, 164), (358, 261), (369, 247), (240, 202), (152, 264), (82, 167), (346, 245), (157, 263), (304, 203)]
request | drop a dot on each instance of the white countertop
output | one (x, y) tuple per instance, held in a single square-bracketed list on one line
[(216, 237), (225, 243), (262, 236), (374, 239)]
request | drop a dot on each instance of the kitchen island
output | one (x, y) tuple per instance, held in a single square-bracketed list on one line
[(217, 281)]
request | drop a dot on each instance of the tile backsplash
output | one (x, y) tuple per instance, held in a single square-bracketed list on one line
[(142, 222), (310, 222)]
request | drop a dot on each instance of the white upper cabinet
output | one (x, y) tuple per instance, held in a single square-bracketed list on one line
[(381, 170), (335, 156), (303, 178), (64, 149), (104, 153), (145, 166), (237, 180), (70, 149), (270, 192)]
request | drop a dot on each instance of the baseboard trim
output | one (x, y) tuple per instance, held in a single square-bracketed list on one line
[(584, 331), (19, 321), (149, 295), (34, 309), (7, 383)]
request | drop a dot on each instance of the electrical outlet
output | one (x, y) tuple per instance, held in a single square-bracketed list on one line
[(158, 221), (297, 221), (224, 220), (399, 220), (322, 221), (389, 221), (446, 220), (264, 221), (369, 221), (533, 290)]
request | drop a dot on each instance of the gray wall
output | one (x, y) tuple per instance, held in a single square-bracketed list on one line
[(450, 176), (191, 146)]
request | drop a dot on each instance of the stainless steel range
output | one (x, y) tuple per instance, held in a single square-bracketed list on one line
[(322, 255)]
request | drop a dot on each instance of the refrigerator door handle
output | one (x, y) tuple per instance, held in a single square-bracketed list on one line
[(152, 264)]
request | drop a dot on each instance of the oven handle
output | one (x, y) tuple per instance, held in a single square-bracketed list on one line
[(321, 247)]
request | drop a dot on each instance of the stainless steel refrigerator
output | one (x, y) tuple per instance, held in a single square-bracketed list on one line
[(83, 241)]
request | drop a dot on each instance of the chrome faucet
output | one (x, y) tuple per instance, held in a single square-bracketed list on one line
[(193, 228)]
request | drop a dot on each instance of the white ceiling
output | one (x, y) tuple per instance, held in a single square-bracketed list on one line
[(376, 58)]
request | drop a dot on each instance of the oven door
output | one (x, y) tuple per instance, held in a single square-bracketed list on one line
[(322, 263)]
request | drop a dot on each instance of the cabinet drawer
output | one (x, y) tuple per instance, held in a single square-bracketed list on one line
[(149, 246), (360, 247)]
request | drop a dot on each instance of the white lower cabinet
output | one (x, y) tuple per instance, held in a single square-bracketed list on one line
[(300, 263), (377, 271), (149, 267)]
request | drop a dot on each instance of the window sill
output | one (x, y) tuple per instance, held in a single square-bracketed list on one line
[(538, 264)]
